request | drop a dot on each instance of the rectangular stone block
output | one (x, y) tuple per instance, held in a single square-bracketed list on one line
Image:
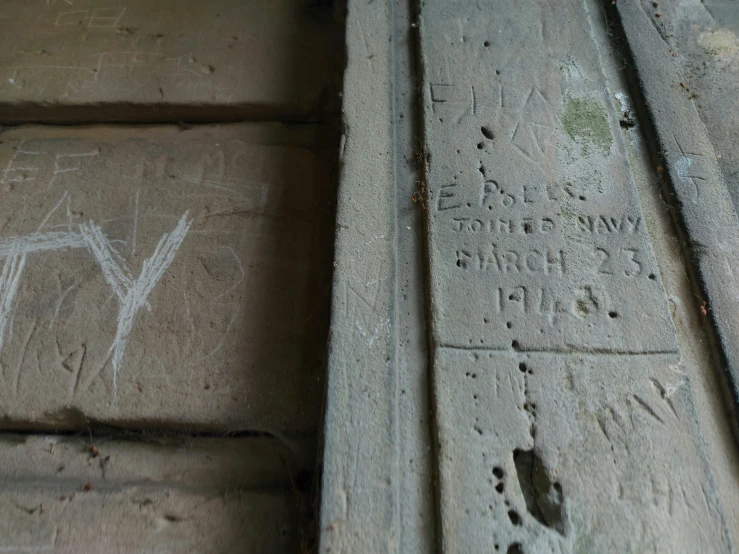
[(565, 423), (571, 453), (537, 238), (160, 276), (140, 60), (194, 495)]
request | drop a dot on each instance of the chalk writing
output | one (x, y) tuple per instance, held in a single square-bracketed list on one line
[(132, 294), (98, 18)]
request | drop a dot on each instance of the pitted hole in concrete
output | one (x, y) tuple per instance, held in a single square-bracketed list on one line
[(486, 44), (508, 324), (523, 367), (514, 517), (515, 345), (480, 145), (498, 472), (515, 548), (612, 314), (544, 498), (499, 488), (487, 132), (652, 276)]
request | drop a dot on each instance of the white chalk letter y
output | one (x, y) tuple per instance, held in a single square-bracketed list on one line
[(132, 294), (9, 282)]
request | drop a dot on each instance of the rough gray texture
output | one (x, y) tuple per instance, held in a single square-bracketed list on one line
[(535, 230), (555, 356), (359, 504), (543, 451), (166, 60), (705, 37), (706, 207), (160, 276), (377, 475), (195, 495)]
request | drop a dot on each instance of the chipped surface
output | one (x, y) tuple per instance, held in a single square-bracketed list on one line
[(602, 455), (536, 234), (565, 421)]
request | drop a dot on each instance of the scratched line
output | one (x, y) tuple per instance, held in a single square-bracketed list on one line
[(132, 294)]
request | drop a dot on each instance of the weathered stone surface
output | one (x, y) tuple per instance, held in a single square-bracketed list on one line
[(160, 276), (542, 451), (555, 355), (705, 39), (705, 204), (196, 495), (69, 520), (535, 230), (195, 463), (377, 481), (699, 360), (359, 504), (137, 60)]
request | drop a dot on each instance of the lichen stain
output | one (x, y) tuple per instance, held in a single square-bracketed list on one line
[(586, 119)]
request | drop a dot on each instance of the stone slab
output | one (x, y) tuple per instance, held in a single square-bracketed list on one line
[(706, 211), (555, 354), (571, 453), (171, 495), (164, 276), (699, 359), (377, 482), (170, 60), (705, 39), (69, 520), (193, 463), (536, 236)]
